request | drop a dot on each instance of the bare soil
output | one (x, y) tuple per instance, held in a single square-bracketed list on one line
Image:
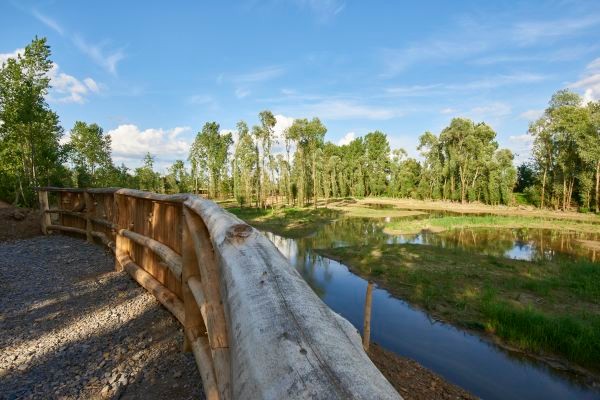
[(412, 380), (18, 223)]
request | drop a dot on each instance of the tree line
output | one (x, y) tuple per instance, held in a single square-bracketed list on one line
[(259, 167), (565, 166)]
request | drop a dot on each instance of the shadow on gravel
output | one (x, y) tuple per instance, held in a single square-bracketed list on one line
[(71, 327)]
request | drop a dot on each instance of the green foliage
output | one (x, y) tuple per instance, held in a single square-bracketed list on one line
[(90, 150), (209, 157), (30, 154), (566, 152)]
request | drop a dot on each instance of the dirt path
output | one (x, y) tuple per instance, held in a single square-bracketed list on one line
[(72, 328)]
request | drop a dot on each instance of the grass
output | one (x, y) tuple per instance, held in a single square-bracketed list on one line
[(441, 224), (295, 222), (543, 308), (289, 222)]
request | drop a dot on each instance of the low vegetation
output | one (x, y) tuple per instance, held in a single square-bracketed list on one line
[(440, 224), (549, 307)]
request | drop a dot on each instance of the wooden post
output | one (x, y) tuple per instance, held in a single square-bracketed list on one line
[(193, 318), (88, 217), (118, 212), (44, 206), (367, 322)]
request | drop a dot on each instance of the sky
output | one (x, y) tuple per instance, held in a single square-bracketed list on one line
[(152, 73)]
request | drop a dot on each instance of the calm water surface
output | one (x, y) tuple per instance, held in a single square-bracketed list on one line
[(461, 357)]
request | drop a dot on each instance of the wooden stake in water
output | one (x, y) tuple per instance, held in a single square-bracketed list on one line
[(367, 322)]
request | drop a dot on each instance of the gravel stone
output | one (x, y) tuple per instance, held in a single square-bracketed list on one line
[(73, 328)]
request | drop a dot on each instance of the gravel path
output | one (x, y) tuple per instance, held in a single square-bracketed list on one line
[(72, 328)]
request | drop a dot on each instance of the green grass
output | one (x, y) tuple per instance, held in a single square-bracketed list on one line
[(550, 307), (289, 221), (411, 226)]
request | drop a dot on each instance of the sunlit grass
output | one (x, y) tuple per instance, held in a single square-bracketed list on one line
[(440, 224), (542, 307)]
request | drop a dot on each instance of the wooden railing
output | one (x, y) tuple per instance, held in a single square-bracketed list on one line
[(255, 327)]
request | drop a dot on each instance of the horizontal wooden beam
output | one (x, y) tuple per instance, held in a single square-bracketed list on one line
[(103, 222), (69, 229), (105, 240), (77, 214), (167, 198), (171, 259), (59, 189), (109, 190), (162, 294)]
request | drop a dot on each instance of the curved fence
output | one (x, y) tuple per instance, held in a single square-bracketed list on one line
[(255, 327)]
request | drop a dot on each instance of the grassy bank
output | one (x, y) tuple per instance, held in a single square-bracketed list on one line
[(289, 222), (549, 308), (295, 222), (441, 224), (478, 208)]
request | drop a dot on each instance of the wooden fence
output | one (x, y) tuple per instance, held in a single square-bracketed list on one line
[(256, 329)]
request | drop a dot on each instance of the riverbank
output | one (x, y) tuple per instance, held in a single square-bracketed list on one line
[(295, 222), (412, 380), (550, 310), (444, 223)]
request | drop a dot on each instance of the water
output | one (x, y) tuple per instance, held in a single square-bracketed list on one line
[(460, 357)]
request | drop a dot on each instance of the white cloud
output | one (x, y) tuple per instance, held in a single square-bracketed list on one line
[(530, 32), (106, 59), (348, 137), (531, 115), (5, 56), (282, 123), (323, 10), (524, 138), (347, 109), (240, 93), (397, 60), (204, 100), (490, 82), (68, 89), (65, 88), (447, 110), (130, 143), (492, 110), (49, 22), (260, 75), (521, 146), (92, 85), (590, 83)]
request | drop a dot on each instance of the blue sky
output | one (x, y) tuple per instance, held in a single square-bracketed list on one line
[(152, 73)]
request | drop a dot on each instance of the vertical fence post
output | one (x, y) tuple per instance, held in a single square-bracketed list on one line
[(193, 318), (44, 206), (88, 216), (367, 321), (119, 213)]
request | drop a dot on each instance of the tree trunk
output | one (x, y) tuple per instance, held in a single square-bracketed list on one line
[(598, 186), (543, 188), (314, 176)]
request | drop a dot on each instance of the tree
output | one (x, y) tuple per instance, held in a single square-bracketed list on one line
[(591, 146), (377, 153), (145, 175), (30, 153), (308, 136), (209, 152), (90, 150), (177, 179), (245, 164)]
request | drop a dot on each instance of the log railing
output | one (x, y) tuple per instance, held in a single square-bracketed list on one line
[(256, 329)]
